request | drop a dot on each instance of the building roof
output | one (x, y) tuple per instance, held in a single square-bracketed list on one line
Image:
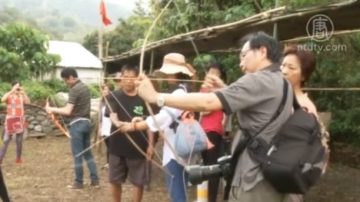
[(74, 55), (291, 24)]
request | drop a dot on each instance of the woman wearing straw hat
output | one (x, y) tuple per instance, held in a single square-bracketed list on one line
[(175, 69)]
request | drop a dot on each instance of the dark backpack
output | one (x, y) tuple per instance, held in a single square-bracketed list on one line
[(293, 162), (249, 139), (294, 159)]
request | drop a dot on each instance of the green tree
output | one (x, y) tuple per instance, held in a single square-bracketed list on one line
[(23, 53), (90, 42), (338, 67)]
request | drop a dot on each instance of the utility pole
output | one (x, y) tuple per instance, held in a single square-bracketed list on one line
[(275, 28), (100, 42)]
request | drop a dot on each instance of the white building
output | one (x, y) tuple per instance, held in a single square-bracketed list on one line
[(87, 65)]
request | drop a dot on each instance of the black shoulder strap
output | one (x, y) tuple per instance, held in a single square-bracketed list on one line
[(248, 138), (183, 86), (176, 120), (280, 108), (278, 111)]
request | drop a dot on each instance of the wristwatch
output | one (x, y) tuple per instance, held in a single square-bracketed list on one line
[(160, 100)]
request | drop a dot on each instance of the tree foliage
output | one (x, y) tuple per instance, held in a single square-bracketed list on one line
[(335, 68), (338, 68), (23, 53)]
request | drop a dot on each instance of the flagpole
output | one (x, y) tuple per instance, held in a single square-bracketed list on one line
[(100, 42), (104, 22)]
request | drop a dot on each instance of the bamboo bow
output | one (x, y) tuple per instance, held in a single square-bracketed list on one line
[(56, 122)]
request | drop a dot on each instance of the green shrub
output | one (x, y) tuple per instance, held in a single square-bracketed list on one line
[(37, 91), (4, 87), (94, 90), (56, 85), (345, 111)]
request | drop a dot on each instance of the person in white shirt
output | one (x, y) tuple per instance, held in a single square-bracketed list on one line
[(105, 122)]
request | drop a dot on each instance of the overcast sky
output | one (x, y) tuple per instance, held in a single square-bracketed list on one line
[(126, 3)]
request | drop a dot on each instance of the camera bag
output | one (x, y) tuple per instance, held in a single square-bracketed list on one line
[(294, 159), (248, 139)]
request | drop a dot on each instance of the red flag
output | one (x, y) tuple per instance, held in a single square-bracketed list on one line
[(106, 21)]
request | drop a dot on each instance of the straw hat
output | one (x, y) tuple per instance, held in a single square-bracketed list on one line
[(174, 63)]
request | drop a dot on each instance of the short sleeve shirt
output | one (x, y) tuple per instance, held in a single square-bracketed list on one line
[(164, 119), (254, 98), (79, 96), (126, 108)]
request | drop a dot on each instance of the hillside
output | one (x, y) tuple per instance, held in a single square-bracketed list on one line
[(63, 19)]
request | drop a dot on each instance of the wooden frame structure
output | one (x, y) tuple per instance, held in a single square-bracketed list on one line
[(221, 38)]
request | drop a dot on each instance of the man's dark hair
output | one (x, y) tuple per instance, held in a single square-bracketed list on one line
[(15, 82), (182, 76), (67, 72), (130, 68), (261, 39), (218, 67)]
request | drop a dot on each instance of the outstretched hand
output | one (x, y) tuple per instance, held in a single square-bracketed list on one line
[(124, 127), (146, 89), (137, 119), (47, 107), (213, 82)]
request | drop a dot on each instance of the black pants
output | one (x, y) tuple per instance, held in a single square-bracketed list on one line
[(210, 157), (3, 191)]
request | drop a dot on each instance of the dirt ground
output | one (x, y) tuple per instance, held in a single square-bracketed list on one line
[(47, 169)]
